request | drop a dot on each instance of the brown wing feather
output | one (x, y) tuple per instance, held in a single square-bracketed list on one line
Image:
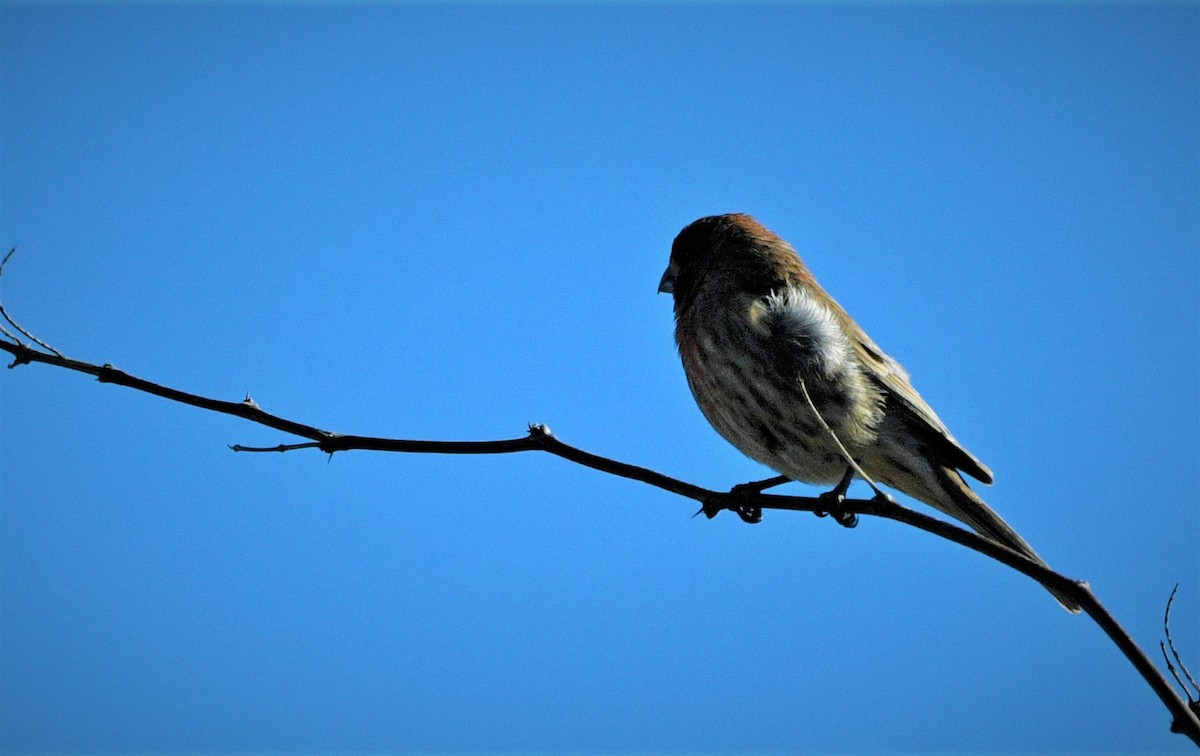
[(902, 396), (882, 369)]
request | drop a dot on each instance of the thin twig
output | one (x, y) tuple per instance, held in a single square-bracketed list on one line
[(4, 330), (14, 323), (845, 454), (1175, 653), (279, 448), (1162, 646)]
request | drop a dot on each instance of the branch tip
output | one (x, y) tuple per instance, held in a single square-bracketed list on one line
[(4, 262)]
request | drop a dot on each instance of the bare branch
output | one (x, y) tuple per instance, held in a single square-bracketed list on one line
[(743, 499)]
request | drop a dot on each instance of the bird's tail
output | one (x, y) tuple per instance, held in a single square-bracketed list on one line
[(965, 505)]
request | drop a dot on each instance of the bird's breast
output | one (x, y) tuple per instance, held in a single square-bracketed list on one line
[(748, 385)]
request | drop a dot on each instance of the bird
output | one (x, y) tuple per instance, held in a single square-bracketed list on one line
[(782, 372)]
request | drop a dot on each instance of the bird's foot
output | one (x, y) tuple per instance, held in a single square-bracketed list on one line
[(738, 500), (834, 503), (835, 506)]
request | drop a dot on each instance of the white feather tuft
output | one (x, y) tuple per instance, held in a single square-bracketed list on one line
[(792, 313)]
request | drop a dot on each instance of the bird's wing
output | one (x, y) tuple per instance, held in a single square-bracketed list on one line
[(893, 378)]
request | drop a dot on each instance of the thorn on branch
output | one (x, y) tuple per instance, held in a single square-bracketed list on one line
[(22, 357)]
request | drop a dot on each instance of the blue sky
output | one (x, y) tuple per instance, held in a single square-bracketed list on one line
[(448, 221)]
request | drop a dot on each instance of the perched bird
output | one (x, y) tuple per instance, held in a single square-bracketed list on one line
[(763, 344)]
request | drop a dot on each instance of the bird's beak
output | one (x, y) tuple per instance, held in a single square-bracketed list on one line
[(667, 284)]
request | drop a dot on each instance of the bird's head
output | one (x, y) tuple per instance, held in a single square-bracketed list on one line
[(727, 254)]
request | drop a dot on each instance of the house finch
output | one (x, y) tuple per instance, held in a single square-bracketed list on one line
[(763, 345)]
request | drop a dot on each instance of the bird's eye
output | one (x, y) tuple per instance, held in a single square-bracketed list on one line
[(684, 251)]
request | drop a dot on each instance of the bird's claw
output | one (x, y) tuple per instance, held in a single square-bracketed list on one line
[(845, 518), (834, 502), (750, 513), (736, 502)]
